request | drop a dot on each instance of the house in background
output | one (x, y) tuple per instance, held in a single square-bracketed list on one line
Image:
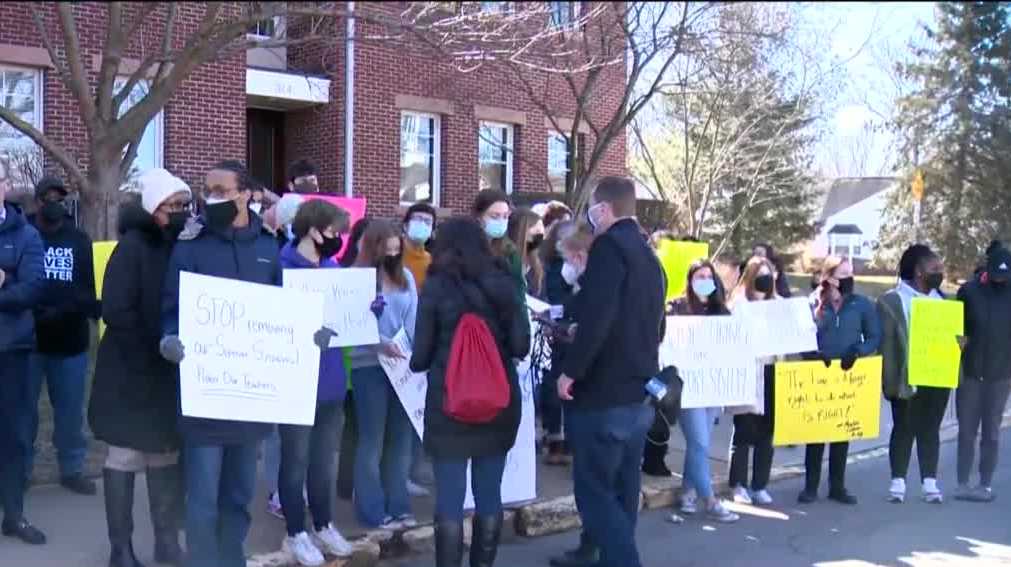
[(851, 219)]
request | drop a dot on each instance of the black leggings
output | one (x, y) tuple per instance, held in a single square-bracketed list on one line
[(917, 419)]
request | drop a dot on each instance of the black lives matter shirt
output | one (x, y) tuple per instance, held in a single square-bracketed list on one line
[(61, 318)]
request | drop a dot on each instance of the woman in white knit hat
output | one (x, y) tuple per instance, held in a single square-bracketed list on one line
[(134, 396)]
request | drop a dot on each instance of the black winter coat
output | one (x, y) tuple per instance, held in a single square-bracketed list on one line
[(443, 301), (987, 354), (134, 395)]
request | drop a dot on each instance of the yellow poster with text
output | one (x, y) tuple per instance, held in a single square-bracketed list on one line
[(815, 404), (676, 257), (101, 253), (934, 354)]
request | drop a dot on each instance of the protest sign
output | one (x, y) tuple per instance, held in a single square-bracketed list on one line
[(249, 350), (815, 404), (411, 387), (713, 358), (101, 253), (348, 294), (934, 353), (676, 257), (355, 206), (779, 326)]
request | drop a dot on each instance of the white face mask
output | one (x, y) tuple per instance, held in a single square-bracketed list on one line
[(570, 273), (256, 207)]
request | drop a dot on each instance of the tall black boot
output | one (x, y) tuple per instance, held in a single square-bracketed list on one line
[(165, 496), (484, 540), (586, 555), (448, 543), (653, 460), (119, 515)]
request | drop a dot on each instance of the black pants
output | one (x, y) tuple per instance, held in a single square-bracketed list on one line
[(349, 444), (15, 414), (980, 406), (751, 430), (917, 419), (837, 454)]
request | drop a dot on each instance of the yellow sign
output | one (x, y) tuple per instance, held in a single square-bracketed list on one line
[(101, 253), (676, 257), (934, 354), (815, 404), (916, 187)]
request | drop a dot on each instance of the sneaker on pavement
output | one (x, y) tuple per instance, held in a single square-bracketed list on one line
[(302, 549), (689, 504), (761, 497), (807, 497), (897, 491), (981, 494), (719, 513), (406, 521), (25, 532), (331, 541), (963, 492), (416, 490), (843, 496), (741, 495), (274, 506), (932, 492), (78, 484)]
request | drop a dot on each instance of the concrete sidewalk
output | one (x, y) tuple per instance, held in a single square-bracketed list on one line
[(76, 525)]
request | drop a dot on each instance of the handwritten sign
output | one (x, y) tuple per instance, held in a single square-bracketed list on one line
[(101, 253), (249, 351), (676, 257), (779, 326), (934, 354), (714, 360), (411, 387), (815, 404), (347, 294)]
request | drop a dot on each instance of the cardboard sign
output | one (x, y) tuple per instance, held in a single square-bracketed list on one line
[(676, 257), (934, 354), (779, 326), (348, 294), (101, 253), (815, 404), (713, 358), (411, 387), (249, 351)]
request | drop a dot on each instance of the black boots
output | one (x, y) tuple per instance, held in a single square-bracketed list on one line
[(119, 515), (653, 460), (165, 496), (586, 555), (448, 543), (484, 540)]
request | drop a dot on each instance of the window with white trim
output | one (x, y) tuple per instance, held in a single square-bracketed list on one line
[(20, 93), (559, 150), (563, 14), (496, 7), (269, 28), (495, 156), (419, 157), (150, 153)]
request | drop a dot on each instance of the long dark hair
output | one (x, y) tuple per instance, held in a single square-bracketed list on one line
[(351, 254), (502, 247), (520, 222), (463, 254), (717, 304)]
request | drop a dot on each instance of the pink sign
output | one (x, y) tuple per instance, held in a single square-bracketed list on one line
[(353, 205)]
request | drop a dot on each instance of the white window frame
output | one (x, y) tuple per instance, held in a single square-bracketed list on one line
[(158, 123), (38, 110), (509, 147), (278, 30), (436, 166), (574, 11), (572, 149)]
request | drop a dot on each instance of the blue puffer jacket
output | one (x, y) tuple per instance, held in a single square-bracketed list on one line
[(854, 330), (248, 254), (21, 260)]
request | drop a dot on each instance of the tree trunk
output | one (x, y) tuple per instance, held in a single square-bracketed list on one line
[(100, 200)]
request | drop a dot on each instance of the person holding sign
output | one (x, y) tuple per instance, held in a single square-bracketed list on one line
[(307, 453), (134, 396), (848, 328), (383, 454), (228, 242), (917, 411), (986, 373)]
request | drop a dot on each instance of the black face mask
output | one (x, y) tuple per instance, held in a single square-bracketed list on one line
[(846, 285), (176, 223), (220, 216), (933, 281), (330, 246), (764, 284), (535, 242), (52, 212), (391, 264)]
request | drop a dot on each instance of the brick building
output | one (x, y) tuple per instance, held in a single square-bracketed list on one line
[(422, 130)]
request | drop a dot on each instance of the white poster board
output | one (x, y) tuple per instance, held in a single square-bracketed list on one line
[(249, 351), (713, 358), (780, 326), (348, 294), (411, 387)]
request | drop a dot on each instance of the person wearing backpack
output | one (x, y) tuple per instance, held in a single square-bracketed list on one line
[(468, 331)]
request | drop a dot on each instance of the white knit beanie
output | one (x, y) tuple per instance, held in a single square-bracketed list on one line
[(158, 184), (287, 207)]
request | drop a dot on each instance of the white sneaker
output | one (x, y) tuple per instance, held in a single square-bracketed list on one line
[(689, 503), (719, 513), (741, 495), (897, 491), (274, 506), (301, 548), (761, 497), (932, 492), (416, 490), (331, 541)]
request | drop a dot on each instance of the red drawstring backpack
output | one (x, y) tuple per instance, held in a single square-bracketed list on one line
[(477, 387)]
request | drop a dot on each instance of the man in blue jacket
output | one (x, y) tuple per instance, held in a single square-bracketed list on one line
[(220, 455), (21, 288)]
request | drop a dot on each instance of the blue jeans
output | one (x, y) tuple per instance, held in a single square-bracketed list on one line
[(697, 426), (383, 455), (309, 453), (14, 442), (451, 486), (220, 481), (272, 460), (65, 378), (607, 448)]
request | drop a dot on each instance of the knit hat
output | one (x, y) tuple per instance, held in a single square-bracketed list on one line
[(999, 264), (157, 185), (287, 207)]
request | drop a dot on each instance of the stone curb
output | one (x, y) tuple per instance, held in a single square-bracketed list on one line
[(540, 518)]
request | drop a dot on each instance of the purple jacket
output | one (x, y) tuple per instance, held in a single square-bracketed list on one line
[(332, 375)]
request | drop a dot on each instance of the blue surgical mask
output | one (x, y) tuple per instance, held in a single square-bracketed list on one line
[(496, 228), (419, 231), (703, 288)]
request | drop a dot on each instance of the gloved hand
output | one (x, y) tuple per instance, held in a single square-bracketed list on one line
[(848, 360), (321, 338), (172, 349)]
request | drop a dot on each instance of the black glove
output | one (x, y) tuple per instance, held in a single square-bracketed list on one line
[(321, 338), (848, 360), (827, 360)]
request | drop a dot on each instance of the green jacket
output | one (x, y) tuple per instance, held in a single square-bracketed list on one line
[(894, 348)]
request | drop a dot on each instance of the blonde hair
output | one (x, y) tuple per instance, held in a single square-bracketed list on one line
[(828, 267), (746, 286), (575, 237)]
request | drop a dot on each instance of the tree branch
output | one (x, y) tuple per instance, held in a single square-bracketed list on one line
[(78, 83), (52, 148)]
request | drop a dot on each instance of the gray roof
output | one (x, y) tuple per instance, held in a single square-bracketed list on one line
[(845, 229), (848, 191)]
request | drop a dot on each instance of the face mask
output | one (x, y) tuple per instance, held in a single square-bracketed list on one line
[(419, 231), (933, 281), (704, 288), (589, 219), (846, 285), (176, 222), (391, 264), (330, 246), (764, 284), (256, 207), (496, 228), (570, 273), (53, 212), (220, 214), (535, 242)]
